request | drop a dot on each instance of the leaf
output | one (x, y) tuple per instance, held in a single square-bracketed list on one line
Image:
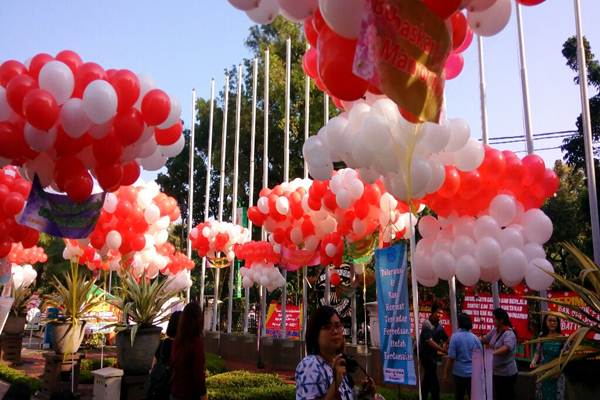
[(134, 330)]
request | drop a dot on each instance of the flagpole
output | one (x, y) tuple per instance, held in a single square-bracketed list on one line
[(286, 169), (190, 217), (208, 182), (234, 197), (306, 134), (221, 195), (251, 177), (327, 293)]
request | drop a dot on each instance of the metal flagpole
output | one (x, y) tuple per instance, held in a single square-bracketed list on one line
[(353, 331), (306, 134), (587, 134), (524, 82), (190, 219), (286, 168), (251, 177), (327, 277), (221, 196), (234, 197), (486, 137), (263, 294), (208, 181), (415, 295)]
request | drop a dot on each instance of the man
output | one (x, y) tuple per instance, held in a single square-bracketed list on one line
[(431, 343)]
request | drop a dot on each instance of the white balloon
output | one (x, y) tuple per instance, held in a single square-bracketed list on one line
[(464, 226), (510, 237), (174, 149), (74, 120), (298, 10), (487, 252), (343, 199), (100, 101), (146, 85), (492, 20), (435, 137), (491, 274), (152, 214), (39, 140), (161, 237), (154, 162), (534, 250), (486, 226), (444, 265), (282, 205), (463, 246), (537, 276), (424, 266), (503, 209), (459, 134), (315, 152), (467, 270), (478, 5), (244, 5), (538, 227), (438, 175), (113, 240), (470, 156), (147, 148), (58, 79), (265, 13), (428, 282), (174, 114), (99, 131), (421, 175), (343, 16), (513, 265), (330, 250), (263, 205), (429, 227)]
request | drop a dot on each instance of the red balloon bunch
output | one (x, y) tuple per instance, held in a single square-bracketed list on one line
[(211, 238), (14, 190), (502, 172), (462, 36), (332, 249), (20, 255), (68, 121), (179, 262), (257, 252)]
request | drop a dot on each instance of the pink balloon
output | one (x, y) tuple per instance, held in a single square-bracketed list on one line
[(454, 65)]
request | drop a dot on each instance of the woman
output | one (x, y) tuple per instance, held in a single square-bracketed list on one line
[(549, 389), (187, 357), (460, 352), (322, 373), (160, 376), (503, 340)]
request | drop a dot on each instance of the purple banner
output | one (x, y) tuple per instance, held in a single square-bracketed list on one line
[(58, 215)]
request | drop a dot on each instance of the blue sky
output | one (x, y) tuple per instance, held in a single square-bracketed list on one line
[(182, 44)]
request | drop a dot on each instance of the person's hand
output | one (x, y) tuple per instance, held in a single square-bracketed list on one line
[(368, 386), (339, 368), (532, 365)]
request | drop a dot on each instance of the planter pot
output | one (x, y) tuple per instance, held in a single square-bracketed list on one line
[(137, 359), (582, 380), (67, 338), (14, 325)]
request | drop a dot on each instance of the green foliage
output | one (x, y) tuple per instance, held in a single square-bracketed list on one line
[(95, 340), (89, 365), (21, 296), (214, 364), (11, 375), (244, 385)]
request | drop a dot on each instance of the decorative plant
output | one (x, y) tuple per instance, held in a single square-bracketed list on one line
[(75, 296), (579, 345), (142, 302), (21, 296)]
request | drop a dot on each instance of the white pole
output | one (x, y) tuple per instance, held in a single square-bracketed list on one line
[(263, 296), (221, 196), (286, 168), (587, 135), (251, 177), (353, 330), (524, 82), (327, 277), (486, 136), (234, 197), (306, 134), (208, 181), (415, 297), (190, 219)]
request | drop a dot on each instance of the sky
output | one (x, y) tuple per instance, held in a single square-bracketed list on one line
[(183, 44)]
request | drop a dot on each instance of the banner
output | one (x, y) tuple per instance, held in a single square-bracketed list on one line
[(424, 313), (58, 215), (293, 320), (568, 327), (393, 312), (480, 308)]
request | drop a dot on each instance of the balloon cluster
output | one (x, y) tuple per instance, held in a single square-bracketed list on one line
[(14, 190), (213, 238), (20, 255), (260, 259), (23, 276), (376, 139), (67, 121), (505, 244), (470, 193), (177, 260)]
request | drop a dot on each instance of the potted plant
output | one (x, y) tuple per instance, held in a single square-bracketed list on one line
[(143, 303), (75, 297), (15, 323), (580, 358)]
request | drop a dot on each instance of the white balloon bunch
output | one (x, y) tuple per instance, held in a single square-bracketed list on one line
[(264, 274), (392, 220), (221, 237), (265, 11), (23, 276), (178, 282), (347, 187), (374, 138), (506, 244)]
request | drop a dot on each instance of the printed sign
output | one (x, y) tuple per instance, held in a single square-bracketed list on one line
[(293, 320), (568, 327), (480, 308)]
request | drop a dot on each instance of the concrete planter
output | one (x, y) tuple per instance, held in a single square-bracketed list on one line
[(137, 359), (14, 325), (67, 337)]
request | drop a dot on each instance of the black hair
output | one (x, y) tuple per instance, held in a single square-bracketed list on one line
[(501, 315), (172, 326), (317, 320), (435, 307), (545, 330), (18, 391), (464, 322)]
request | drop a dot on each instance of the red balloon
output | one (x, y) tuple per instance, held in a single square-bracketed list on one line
[(97, 239), (318, 21), (335, 279), (310, 32), (131, 173), (79, 188), (87, 73), (124, 208), (410, 117), (5, 248), (531, 2), (13, 204), (309, 62), (9, 69), (444, 8), (493, 163), (109, 176), (460, 27), (127, 86), (71, 59), (454, 65), (374, 89), (30, 238), (9, 141), (138, 242), (534, 167), (37, 62), (550, 182), (361, 207), (21, 186), (335, 61), (129, 126), (155, 107), (470, 183), (67, 168), (16, 90), (165, 137), (514, 168), (107, 150), (451, 182), (67, 146), (40, 109)]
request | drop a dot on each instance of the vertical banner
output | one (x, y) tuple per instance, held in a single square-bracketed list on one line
[(481, 379), (393, 313)]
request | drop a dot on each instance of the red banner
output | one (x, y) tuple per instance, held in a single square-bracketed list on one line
[(293, 320), (568, 327), (424, 312), (480, 308)]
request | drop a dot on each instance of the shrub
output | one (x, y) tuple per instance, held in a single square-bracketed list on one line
[(89, 365), (214, 364), (11, 375), (244, 385)]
